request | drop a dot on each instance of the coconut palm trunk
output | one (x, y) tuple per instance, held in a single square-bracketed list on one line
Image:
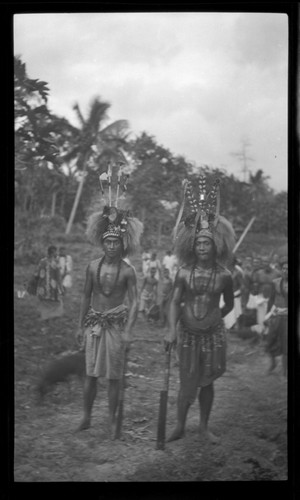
[(77, 198)]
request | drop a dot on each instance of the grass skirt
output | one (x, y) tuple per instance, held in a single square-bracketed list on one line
[(104, 347), (202, 357)]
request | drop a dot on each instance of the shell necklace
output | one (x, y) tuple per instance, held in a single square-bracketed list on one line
[(107, 294), (203, 292)]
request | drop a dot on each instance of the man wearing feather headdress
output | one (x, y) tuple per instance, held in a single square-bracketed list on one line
[(204, 241), (105, 321)]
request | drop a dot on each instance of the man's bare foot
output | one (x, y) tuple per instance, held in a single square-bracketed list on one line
[(84, 424), (178, 433), (208, 436)]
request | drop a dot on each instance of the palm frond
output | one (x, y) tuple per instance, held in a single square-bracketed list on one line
[(79, 114), (116, 129)]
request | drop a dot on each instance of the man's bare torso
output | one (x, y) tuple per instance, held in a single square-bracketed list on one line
[(201, 295), (109, 284)]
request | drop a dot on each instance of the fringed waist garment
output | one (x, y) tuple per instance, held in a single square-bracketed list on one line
[(202, 356), (103, 342)]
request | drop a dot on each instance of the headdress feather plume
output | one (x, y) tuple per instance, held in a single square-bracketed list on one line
[(113, 221), (203, 219)]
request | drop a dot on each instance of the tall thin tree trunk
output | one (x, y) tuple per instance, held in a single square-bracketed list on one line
[(53, 204), (75, 204), (158, 238)]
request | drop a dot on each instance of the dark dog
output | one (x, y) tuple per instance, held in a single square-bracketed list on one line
[(153, 314), (60, 370)]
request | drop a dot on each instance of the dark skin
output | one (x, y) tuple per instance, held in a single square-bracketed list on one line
[(201, 298), (279, 298), (92, 295)]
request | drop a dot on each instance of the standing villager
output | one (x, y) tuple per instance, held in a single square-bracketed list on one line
[(166, 292), (146, 256), (261, 287), (277, 318), (66, 268), (155, 263), (231, 319), (170, 262), (246, 288), (49, 288), (148, 292), (105, 322), (204, 243)]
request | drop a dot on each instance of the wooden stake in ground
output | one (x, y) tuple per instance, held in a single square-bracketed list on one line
[(121, 399), (243, 234), (163, 403)]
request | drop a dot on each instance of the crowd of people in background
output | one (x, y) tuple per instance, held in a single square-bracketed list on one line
[(157, 274), (50, 282), (259, 286), (261, 301)]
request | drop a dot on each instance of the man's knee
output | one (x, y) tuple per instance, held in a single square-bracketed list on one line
[(187, 396), (90, 382)]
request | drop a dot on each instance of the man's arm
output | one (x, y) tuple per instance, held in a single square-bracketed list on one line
[(227, 296), (272, 297), (133, 304), (174, 309), (86, 296)]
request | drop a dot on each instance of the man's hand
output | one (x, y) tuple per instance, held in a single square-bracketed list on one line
[(169, 341), (79, 336), (127, 341)]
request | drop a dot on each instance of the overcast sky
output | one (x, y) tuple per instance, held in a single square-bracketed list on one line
[(201, 83)]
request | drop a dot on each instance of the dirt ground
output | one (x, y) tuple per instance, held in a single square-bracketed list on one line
[(249, 412)]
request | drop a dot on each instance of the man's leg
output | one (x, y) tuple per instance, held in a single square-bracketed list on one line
[(206, 397), (113, 398), (183, 404), (89, 394)]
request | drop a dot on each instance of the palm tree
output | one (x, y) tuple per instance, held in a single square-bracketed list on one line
[(259, 187), (93, 144)]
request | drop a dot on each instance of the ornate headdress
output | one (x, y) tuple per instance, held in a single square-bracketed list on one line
[(202, 218), (113, 221)]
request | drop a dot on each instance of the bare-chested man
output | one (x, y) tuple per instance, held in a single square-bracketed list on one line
[(105, 322), (195, 305)]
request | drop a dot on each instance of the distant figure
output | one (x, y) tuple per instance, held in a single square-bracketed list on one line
[(277, 319), (148, 292), (167, 286), (170, 262), (49, 287), (145, 262), (155, 263), (261, 287), (66, 268), (231, 319), (247, 271), (275, 264)]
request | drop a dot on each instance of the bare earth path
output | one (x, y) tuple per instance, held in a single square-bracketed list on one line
[(249, 415)]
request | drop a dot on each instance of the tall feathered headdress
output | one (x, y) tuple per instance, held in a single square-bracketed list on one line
[(114, 221), (200, 216)]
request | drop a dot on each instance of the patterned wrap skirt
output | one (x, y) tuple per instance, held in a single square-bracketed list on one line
[(104, 347), (202, 357)]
